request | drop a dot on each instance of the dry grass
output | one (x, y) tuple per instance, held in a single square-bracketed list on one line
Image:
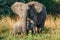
[(51, 22)]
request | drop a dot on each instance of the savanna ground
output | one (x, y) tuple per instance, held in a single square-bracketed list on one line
[(51, 30)]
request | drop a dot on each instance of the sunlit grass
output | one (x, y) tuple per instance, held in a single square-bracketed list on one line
[(48, 36), (51, 30)]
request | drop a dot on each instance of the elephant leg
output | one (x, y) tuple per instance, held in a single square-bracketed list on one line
[(41, 27), (27, 32), (24, 29), (32, 27), (15, 29), (28, 24), (38, 30), (14, 32), (33, 30)]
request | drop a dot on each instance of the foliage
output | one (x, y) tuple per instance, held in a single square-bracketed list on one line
[(50, 32), (48, 36), (3, 27), (53, 6)]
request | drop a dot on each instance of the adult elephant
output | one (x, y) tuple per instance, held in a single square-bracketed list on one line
[(37, 14), (20, 9), (24, 24), (31, 14)]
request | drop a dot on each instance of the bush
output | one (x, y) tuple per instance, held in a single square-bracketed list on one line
[(3, 27), (53, 6)]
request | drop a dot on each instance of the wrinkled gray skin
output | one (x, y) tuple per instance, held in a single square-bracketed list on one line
[(38, 14), (21, 10)]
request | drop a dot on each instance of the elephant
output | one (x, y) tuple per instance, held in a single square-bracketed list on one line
[(37, 14), (20, 9), (25, 23), (32, 14), (32, 19)]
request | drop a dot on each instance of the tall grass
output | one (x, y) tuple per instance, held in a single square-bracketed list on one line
[(51, 30)]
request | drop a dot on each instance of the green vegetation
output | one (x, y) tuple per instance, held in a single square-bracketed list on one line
[(47, 34), (51, 35), (50, 32), (52, 6)]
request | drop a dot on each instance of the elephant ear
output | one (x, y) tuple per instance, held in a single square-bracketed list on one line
[(38, 6), (16, 7)]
